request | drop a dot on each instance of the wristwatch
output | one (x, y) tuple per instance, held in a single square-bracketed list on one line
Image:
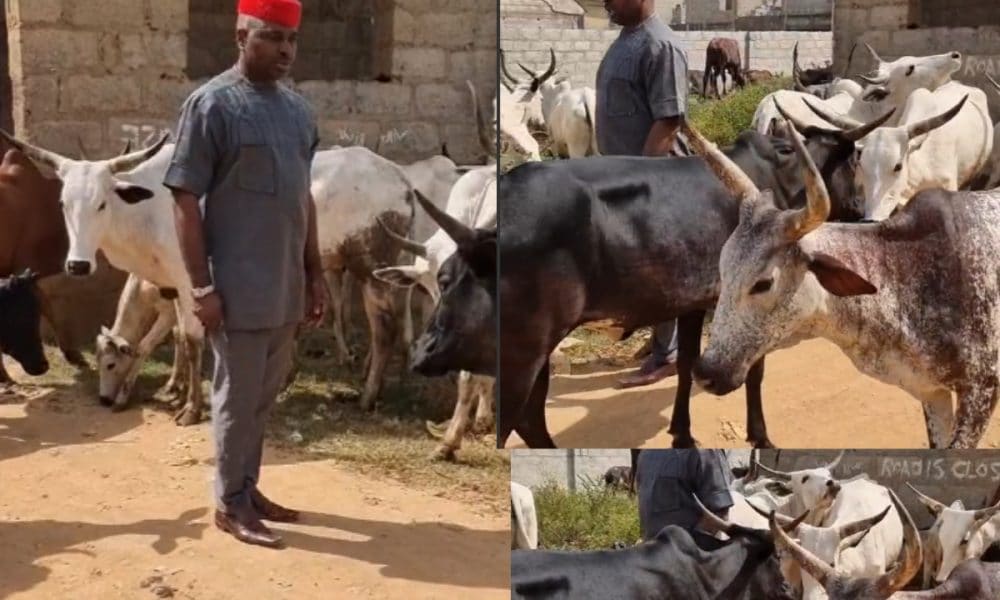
[(201, 292)]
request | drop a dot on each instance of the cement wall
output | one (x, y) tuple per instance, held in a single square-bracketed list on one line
[(579, 51), (389, 75), (971, 475)]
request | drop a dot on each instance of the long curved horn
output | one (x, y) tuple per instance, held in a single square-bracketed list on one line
[(850, 57), (932, 505), (127, 148), (798, 85), (910, 555), (132, 160), (83, 151), (505, 71), (735, 180), (787, 523), (46, 157), (552, 66), (993, 81), (506, 84), (861, 129), (481, 131), (795, 59), (801, 221), (459, 232), (717, 521), (880, 80), (874, 54), (833, 465), (407, 244), (819, 570), (928, 125), (781, 475), (985, 514), (842, 121), (799, 125), (854, 527)]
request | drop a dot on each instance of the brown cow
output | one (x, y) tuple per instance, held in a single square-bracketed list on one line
[(722, 55), (32, 232)]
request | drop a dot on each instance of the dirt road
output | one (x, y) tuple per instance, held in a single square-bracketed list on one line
[(813, 398), (102, 505)]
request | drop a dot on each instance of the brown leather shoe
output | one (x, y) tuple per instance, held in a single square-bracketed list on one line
[(639, 378), (247, 530), (271, 511)]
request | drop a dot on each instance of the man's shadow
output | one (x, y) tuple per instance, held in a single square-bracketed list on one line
[(26, 542), (420, 551)]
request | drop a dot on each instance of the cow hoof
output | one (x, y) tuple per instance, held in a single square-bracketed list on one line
[(764, 444), (684, 441), (187, 417), (436, 430), (482, 426), (75, 358), (443, 453), (118, 407)]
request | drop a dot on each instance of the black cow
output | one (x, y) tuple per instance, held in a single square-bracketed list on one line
[(671, 566), (618, 478), (20, 312), (461, 332), (631, 239)]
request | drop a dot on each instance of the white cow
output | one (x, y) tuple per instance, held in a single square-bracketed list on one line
[(957, 534), (121, 207), (523, 518), (568, 112), (942, 140), (892, 86), (991, 172)]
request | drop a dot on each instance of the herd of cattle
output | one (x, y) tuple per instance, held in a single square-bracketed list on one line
[(861, 214), (56, 213), (791, 535)]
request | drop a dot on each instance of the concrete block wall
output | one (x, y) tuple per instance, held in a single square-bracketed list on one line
[(579, 51), (972, 475)]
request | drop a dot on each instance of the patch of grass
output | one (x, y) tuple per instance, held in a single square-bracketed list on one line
[(721, 121), (590, 518), (596, 346)]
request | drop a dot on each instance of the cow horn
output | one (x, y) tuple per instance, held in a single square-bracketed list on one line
[(481, 131), (819, 570), (507, 85), (859, 130), (985, 514), (842, 121), (993, 81), (932, 123), (735, 180), (798, 85), (787, 523), (132, 160), (910, 555), (850, 57), (552, 66), (795, 59), (407, 244), (852, 533), (833, 465), (83, 151), (781, 475), (932, 505), (505, 71), (797, 124), (813, 214), (874, 54), (879, 80), (717, 521), (459, 232), (50, 159), (127, 148)]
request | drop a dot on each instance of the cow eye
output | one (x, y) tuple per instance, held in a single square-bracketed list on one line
[(898, 168), (910, 70), (805, 478), (444, 281), (102, 206), (761, 286), (111, 366)]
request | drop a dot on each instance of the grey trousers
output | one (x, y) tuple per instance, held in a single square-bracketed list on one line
[(250, 368), (664, 344)]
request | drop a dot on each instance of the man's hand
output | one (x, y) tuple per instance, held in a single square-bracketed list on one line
[(317, 301), (209, 311)]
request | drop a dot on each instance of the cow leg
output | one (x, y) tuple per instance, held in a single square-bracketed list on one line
[(407, 326), (175, 388), (192, 335), (939, 416), (336, 286), (532, 427), (975, 407), (145, 347), (4, 377), (688, 348), (483, 387), (756, 428), (71, 354), (518, 381), (459, 419), (378, 303)]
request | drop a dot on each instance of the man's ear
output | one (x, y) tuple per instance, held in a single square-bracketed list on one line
[(837, 279)]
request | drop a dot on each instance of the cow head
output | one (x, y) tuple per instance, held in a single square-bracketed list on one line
[(766, 297), (20, 313), (115, 356), (883, 163), (826, 543), (957, 533), (842, 587), (815, 489), (91, 192), (900, 77), (461, 334)]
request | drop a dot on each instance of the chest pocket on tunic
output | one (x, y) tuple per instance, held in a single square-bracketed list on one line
[(256, 170)]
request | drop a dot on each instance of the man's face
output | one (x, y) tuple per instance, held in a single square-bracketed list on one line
[(269, 51), (624, 12)]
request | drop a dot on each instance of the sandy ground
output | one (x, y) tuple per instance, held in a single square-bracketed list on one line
[(813, 398), (102, 505)]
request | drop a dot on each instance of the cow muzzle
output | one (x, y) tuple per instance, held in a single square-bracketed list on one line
[(423, 358), (712, 379), (78, 268)]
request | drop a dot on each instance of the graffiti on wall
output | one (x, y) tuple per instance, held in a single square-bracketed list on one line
[(138, 134), (937, 469), (976, 65), (345, 137)]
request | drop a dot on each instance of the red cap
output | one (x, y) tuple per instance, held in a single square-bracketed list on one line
[(287, 13)]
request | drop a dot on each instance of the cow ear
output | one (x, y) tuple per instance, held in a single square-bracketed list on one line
[(403, 276), (837, 279), (875, 93), (132, 194)]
